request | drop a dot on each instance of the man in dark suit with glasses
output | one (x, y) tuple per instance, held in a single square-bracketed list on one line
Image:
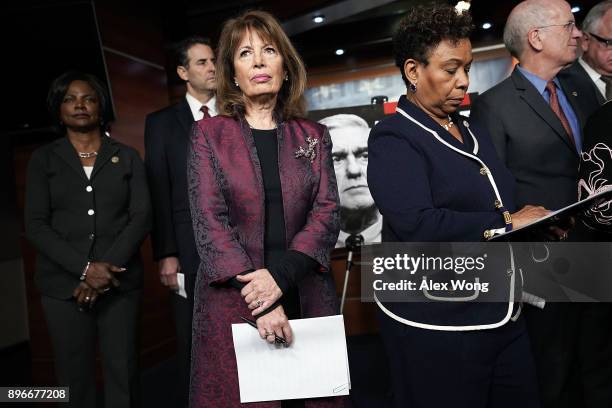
[(590, 77)]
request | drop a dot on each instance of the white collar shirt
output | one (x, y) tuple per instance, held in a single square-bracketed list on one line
[(595, 76), (195, 105)]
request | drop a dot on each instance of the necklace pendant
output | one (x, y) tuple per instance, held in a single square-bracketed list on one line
[(449, 124), (87, 155)]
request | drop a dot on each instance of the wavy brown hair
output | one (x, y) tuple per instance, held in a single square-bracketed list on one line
[(230, 99)]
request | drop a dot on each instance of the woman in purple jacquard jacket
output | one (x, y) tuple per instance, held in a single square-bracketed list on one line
[(264, 204)]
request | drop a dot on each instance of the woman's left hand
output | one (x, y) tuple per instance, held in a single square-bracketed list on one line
[(261, 290), (274, 324), (85, 296)]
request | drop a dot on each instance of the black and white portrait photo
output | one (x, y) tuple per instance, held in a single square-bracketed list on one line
[(358, 213)]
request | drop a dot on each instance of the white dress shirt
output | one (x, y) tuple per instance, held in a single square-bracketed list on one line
[(595, 77), (195, 106)]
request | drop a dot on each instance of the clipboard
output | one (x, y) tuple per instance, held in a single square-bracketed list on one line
[(535, 231)]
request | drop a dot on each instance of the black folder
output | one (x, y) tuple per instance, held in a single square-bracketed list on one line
[(537, 230)]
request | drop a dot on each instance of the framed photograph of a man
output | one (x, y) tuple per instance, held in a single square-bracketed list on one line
[(349, 129)]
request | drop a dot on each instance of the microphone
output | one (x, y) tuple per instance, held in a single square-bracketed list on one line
[(353, 243)]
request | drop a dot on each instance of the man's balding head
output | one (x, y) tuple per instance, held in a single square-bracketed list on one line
[(526, 16), (542, 34)]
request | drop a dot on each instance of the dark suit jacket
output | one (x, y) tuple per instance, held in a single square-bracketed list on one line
[(576, 80), (227, 202), (71, 219), (167, 134), (531, 141)]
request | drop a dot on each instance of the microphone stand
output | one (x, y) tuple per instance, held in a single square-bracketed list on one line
[(353, 243)]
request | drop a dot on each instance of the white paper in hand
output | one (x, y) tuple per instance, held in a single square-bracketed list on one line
[(180, 280), (314, 365)]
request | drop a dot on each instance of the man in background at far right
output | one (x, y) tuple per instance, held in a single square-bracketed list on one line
[(590, 77), (536, 122)]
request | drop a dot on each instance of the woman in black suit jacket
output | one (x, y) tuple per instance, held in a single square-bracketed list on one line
[(87, 211)]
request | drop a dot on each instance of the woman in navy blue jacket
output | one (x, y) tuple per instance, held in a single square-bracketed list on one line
[(436, 178)]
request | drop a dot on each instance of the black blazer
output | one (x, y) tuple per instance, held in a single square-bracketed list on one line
[(531, 141), (579, 83), (71, 219), (167, 136)]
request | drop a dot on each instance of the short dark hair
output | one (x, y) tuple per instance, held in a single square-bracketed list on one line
[(290, 103), (423, 28), (59, 87), (181, 48)]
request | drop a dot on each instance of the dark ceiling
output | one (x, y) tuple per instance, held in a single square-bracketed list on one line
[(362, 28), (363, 35), (63, 35)]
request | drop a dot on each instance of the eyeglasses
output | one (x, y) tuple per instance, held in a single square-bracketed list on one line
[(605, 41), (569, 26)]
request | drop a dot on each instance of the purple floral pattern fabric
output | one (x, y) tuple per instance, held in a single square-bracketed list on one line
[(227, 205)]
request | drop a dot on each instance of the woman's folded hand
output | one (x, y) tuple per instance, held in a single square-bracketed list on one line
[(261, 290), (101, 275), (275, 323), (85, 296)]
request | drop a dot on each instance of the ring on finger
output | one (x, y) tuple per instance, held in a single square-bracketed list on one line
[(268, 334), (259, 303)]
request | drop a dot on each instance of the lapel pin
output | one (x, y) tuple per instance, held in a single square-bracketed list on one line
[(115, 159), (574, 93)]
